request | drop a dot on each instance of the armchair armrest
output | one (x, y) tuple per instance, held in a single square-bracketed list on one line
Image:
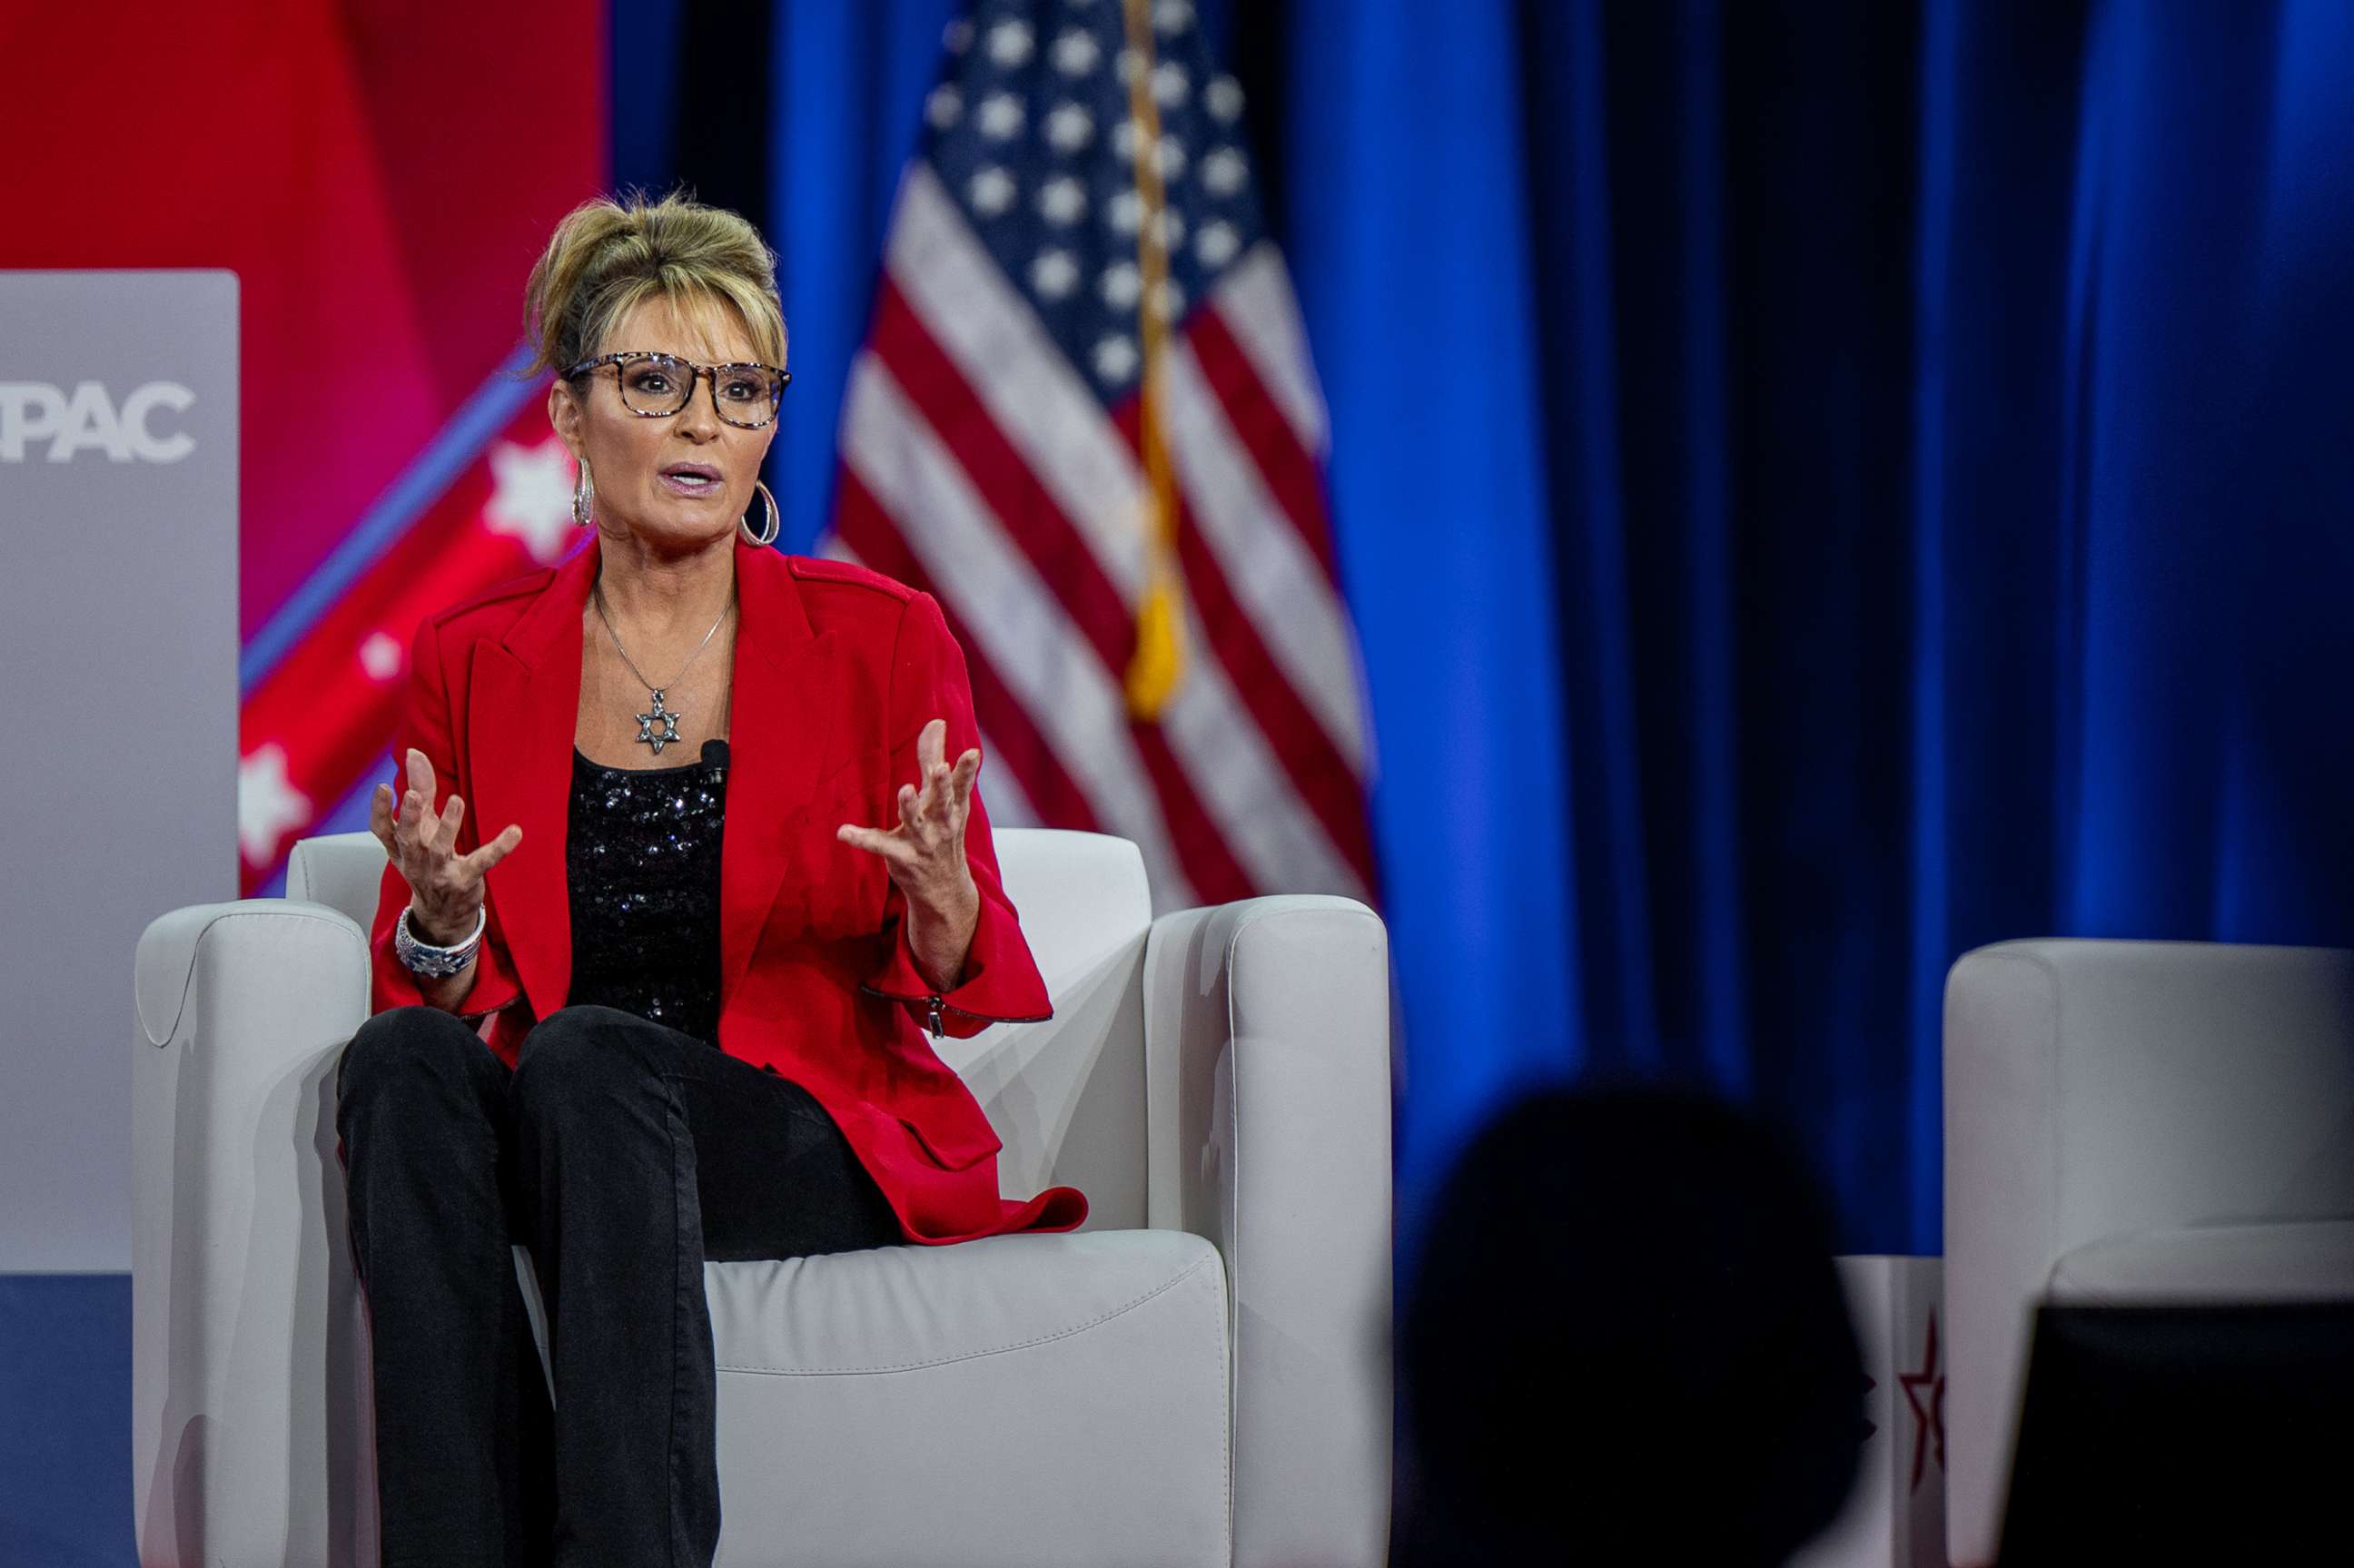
[(2098, 1089), (1267, 1064), (247, 1369)]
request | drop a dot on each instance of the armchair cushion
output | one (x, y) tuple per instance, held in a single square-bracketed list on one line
[(1041, 1400), (2310, 1260)]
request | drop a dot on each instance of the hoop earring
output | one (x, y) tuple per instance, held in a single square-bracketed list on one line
[(775, 522), (584, 496)]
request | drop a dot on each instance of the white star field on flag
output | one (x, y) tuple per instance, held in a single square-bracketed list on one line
[(1077, 193), (1015, 133)]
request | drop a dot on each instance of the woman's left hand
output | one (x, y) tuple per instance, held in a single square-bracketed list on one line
[(924, 849)]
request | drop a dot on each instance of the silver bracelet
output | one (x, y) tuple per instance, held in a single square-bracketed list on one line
[(436, 963)]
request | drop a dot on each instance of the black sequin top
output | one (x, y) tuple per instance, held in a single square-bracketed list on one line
[(642, 862)]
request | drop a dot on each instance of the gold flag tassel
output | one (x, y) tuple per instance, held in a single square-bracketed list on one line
[(1158, 665)]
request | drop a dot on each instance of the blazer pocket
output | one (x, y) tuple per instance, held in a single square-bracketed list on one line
[(956, 1155)]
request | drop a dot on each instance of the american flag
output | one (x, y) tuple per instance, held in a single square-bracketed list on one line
[(1085, 419)]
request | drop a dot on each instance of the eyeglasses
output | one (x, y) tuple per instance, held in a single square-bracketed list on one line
[(655, 385)]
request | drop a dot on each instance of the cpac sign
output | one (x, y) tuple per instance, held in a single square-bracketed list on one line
[(88, 420)]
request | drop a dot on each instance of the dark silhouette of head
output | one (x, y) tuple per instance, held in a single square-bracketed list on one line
[(1626, 1343)]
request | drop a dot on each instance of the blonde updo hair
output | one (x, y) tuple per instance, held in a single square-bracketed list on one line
[(610, 254)]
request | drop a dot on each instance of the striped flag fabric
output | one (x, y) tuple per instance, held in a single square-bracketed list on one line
[(1085, 419)]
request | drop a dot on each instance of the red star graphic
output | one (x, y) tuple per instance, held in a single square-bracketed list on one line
[(1925, 1392)]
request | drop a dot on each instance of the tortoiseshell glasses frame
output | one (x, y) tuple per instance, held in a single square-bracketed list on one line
[(689, 371)]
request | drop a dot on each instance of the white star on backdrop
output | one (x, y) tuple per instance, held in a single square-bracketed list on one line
[(943, 106), (532, 498), (269, 807), (1224, 98), (380, 656)]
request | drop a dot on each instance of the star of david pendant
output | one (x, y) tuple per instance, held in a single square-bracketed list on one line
[(667, 718)]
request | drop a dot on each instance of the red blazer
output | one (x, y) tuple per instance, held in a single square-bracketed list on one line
[(837, 669)]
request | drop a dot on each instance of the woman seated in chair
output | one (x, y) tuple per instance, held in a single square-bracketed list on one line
[(669, 1010)]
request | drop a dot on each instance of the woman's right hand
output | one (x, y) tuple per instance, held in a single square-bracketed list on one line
[(445, 887)]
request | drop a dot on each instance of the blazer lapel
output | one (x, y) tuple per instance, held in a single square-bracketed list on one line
[(522, 706), (785, 710)]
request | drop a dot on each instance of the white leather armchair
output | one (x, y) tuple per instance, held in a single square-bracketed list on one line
[(2130, 1123), (1200, 1376)]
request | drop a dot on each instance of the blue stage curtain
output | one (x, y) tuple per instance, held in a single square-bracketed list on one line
[(1822, 485), (1940, 435), (1410, 234), (846, 106)]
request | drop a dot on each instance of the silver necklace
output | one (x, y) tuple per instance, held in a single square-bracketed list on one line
[(667, 717)]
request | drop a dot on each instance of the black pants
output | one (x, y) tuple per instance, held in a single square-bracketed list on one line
[(622, 1153)]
